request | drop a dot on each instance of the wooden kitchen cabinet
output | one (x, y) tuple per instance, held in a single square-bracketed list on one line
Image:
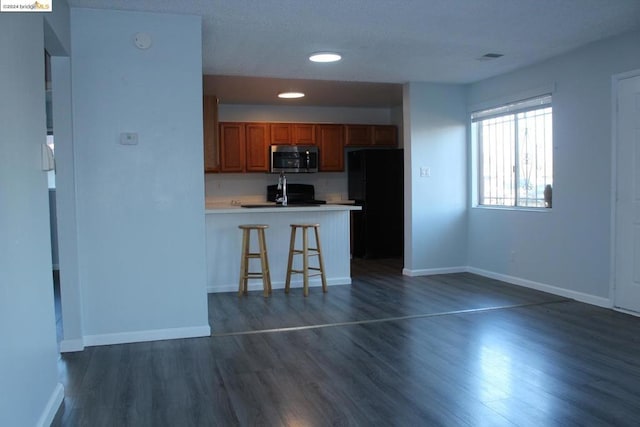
[(232, 147), (244, 147), (281, 134), (371, 136), (358, 135), (385, 135), (304, 133), (257, 157), (330, 140), (293, 134), (210, 133)]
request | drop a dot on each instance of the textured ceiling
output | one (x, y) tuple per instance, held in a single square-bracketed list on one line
[(389, 41)]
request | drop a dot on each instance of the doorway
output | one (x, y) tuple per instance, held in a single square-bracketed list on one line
[(51, 181), (626, 124)]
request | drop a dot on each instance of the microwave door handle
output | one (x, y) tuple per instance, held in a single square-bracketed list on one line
[(308, 160)]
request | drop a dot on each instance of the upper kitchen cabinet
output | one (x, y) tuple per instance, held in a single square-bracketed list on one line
[(330, 140), (210, 133), (385, 135), (371, 135), (293, 133), (257, 147), (232, 147), (244, 147)]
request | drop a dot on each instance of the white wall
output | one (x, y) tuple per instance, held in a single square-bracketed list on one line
[(141, 245), (250, 187), (70, 291), (568, 247), (29, 378), (435, 206)]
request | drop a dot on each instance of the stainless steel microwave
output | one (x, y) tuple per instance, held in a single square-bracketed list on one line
[(294, 158)]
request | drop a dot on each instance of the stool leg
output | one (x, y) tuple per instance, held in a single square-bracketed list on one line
[(290, 262), (305, 261), (264, 263), (243, 285), (320, 260)]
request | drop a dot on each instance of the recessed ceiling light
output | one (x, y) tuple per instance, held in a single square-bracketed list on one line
[(290, 95), (325, 57)]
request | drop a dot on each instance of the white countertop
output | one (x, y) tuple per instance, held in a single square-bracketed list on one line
[(213, 208)]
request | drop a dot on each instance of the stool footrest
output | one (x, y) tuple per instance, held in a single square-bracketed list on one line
[(310, 252), (308, 275)]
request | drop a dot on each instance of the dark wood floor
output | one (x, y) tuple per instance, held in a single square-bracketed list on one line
[(388, 350)]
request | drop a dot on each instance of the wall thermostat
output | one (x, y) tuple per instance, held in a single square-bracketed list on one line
[(142, 40)]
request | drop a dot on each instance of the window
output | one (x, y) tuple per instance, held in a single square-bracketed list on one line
[(515, 153)]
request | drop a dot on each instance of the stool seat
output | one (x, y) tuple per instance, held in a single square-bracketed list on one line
[(306, 251), (245, 274)]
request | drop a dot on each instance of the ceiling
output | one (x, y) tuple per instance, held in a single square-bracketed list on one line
[(252, 49)]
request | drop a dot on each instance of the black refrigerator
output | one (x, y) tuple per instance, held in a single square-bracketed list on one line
[(376, 183)]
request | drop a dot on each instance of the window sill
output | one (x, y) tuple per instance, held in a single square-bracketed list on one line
[(512, 208)]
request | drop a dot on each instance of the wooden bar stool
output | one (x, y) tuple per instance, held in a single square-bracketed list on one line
[(245, 274), (306, 252)]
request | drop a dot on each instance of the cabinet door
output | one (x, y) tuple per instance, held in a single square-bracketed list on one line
[(385, 135), (257, 147), (281, 134), (331, 146), (232, 147), (293, 133), (304, 134), (210, 133), (358, 135)]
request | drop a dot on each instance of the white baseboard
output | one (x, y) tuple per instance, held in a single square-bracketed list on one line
[(256, 285), (50, 409), (70, 346), (151, 335), (432, 271), (625, 311), (567, 293)]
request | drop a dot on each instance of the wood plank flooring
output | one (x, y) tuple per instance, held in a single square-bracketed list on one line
[(389, 350)]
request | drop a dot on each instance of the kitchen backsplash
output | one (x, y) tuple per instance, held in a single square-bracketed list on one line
[(252, 187)]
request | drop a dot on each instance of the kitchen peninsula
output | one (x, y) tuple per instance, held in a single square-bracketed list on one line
[(224, 242)]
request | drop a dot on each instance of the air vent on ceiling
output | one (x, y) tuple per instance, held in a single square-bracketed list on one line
[(490, 56)]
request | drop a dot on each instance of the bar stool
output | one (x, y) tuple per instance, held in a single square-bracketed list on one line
[(245, 274), (306, 252)]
